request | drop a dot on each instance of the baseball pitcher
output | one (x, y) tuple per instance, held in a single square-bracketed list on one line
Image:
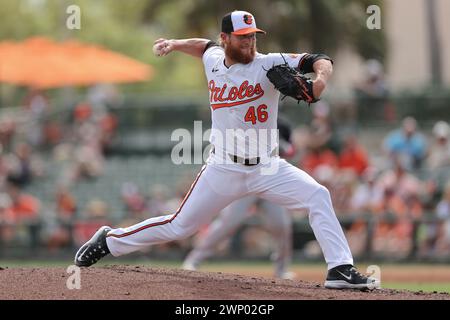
[(244, 89)]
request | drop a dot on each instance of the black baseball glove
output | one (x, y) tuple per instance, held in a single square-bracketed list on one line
[(290, 82)]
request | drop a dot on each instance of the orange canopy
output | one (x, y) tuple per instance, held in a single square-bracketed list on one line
[(41, 63)]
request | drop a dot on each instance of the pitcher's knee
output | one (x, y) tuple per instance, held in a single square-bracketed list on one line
[(322, 195), (324, 191), (182, 233)]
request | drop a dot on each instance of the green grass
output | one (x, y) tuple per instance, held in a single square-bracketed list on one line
[(417, 286), (32, 264)]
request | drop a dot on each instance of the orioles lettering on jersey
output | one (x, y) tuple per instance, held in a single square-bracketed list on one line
[(244, 91)]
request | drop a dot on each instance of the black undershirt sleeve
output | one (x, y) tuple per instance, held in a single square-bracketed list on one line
[(306, 63), (209, 45)]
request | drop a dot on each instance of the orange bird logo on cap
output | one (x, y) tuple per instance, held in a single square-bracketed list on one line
[(248, 19)]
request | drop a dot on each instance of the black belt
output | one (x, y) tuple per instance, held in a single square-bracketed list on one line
[(245, 162)]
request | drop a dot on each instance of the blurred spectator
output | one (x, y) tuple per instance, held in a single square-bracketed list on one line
[(322, 145), (96, 214), (321, 129), (23, 165), (108, 124), (7, 222), (96, 210), (345, 113), (134, 201), (440, 149), (104, 94), (60, 230), (88, 163), (373, 93), (82, 112), (3, 170), (363, 202), (397, 182), (367, 195), (158, 201), (7, 132), (25, 208), (88, 153), (318, 157), (407, 144), (88, 160), (399, 207), (102, 98), (443, 214), (53, 133), (443, 207), (374, 84), (37, 105), (36, 101), (353, 156), (66, 205), (25, 211)]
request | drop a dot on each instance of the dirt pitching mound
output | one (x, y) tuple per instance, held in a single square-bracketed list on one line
[(143, 283)]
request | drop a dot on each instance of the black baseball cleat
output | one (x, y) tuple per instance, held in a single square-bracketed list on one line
[(94, 249), (347, 277)]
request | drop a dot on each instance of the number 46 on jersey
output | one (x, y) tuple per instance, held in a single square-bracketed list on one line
[(258, 114)]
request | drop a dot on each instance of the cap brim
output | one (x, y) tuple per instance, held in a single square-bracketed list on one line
[(247, 31)]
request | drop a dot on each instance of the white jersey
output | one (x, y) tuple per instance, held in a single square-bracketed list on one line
[(244, 103)]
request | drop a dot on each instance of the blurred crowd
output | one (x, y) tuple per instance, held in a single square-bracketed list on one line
[(35, 137), (408, 184), (398, 195)]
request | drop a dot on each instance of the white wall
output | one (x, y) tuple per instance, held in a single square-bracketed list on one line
[(407, 65)]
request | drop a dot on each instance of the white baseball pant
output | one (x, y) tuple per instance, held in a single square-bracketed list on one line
[(217, 185)]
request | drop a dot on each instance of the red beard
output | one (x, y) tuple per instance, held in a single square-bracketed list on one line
[(238, 56)]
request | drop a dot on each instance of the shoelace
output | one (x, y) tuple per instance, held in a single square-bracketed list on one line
[(353, 270)]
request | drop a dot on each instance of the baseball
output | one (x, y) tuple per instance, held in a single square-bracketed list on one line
[(157, 50)]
